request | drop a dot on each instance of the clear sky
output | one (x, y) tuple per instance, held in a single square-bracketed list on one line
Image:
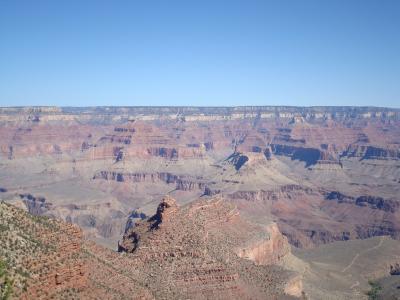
[(300, 52)]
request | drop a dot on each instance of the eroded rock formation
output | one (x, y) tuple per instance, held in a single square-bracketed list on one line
[(206, 250)]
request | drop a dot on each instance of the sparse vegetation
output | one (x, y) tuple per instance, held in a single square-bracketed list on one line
[(32, 247), (5, 282), (373, 293)]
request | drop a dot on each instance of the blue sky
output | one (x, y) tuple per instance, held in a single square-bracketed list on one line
[(87, 53)]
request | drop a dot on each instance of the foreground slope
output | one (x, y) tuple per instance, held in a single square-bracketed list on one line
[(48, 259), (190, 252)]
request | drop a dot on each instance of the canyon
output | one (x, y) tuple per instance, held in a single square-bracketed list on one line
[(215, 196)]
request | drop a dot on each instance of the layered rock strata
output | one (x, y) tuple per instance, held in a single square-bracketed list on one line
[(93, 166)]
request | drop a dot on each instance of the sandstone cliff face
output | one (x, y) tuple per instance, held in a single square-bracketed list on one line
[(371, 152), (184, 183)]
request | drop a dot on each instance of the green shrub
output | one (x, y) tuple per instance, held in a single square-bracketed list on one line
[(374, 291)]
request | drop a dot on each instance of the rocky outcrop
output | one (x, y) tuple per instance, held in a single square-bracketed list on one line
[(165, 210), (395, 269), (198, 247), (238, 160), (133, 217)]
